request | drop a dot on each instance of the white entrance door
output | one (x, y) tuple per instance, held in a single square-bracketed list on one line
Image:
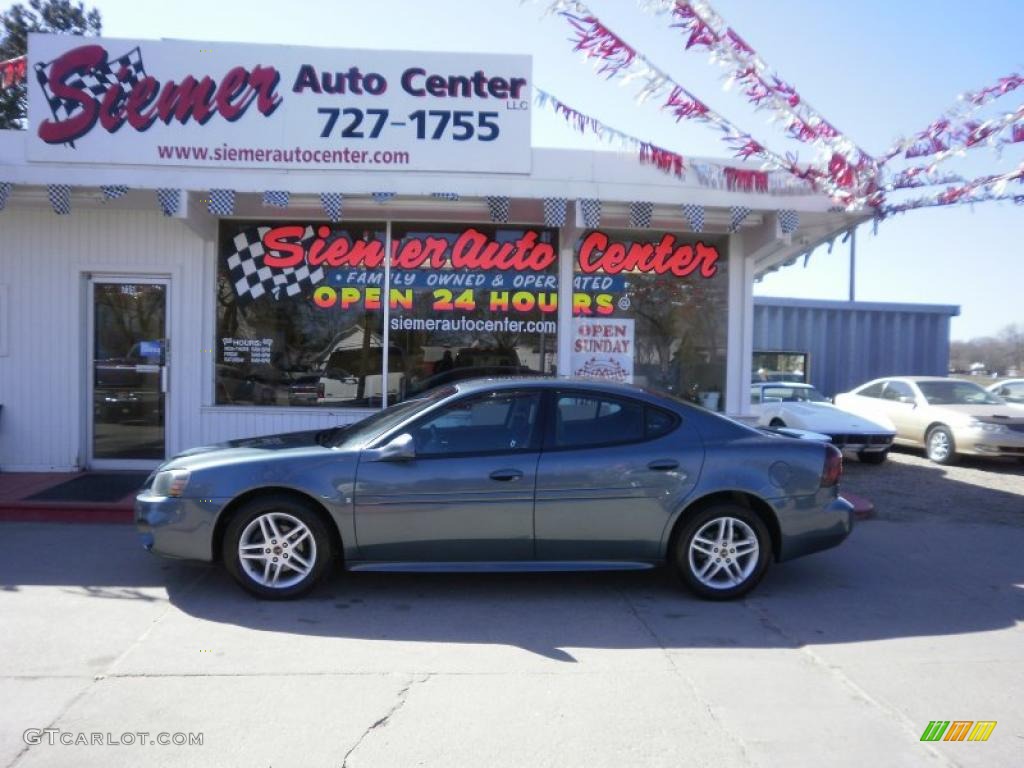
[(128, 356)]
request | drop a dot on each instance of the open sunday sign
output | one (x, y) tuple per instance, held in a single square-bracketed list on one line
[(176, 102)]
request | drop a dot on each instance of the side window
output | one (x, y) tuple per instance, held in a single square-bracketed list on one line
[(1014, 392), (875, 390), (582, 420), (755, 395), (894, 390), (494, 423), (658, 422)]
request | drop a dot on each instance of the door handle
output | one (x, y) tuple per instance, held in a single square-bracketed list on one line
[(663, 465), (506, 475)]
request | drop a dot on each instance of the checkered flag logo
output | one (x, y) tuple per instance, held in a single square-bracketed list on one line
[(736, 216), (554, 211), (96, 82), (60, 198), (252, 278), (451, 197), (498, 208), (789, 221), (222, 202), (5, 192), (332, 203), (695, 215), (640, 215), (169, 200), (276, 198), (588, 212), (113, 191), (383, 197)]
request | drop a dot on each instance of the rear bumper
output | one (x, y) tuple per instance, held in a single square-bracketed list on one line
[(808, 527), (181, 528)]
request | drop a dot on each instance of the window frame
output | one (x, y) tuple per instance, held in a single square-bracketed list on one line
[(551, 433), (536, 436)]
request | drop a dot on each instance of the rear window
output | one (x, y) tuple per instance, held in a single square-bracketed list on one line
[(583, 420)]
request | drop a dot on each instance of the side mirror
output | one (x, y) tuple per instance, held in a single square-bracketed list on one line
[(400, 448)]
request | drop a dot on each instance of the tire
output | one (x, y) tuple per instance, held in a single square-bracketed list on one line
[(940, 446), (873, 457), (701, 532), (777, 423), (296, 533)]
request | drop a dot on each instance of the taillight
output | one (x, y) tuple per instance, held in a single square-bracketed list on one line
[(320, 390), (833, 468)]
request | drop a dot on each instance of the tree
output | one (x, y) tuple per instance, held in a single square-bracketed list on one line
[(58, 16)]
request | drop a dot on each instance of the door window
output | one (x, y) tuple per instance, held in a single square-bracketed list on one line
[(499, 422), (897, 390), (872, 390), (1013, 392), (586, 420)]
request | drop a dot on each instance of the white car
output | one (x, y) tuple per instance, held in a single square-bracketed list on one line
[(1011, 390), (801, 406)]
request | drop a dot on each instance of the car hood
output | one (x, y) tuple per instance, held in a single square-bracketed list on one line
[(995, 414), (287, 444), (827, 418)]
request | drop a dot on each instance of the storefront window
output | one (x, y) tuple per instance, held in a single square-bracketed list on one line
[(472, 301), (300, 318), (780, 366), (652, 310)]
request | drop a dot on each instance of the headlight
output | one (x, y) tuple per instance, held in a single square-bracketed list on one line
[(170, 482), (986, 426)]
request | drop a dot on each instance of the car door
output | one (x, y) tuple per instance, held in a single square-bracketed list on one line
[(899, 403), (467, 495), (612, 473)]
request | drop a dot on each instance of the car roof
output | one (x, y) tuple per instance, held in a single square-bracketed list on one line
[(781, 384), (548, 382)]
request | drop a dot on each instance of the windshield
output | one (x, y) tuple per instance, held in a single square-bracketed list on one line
[(956, 393), (793, 394), (373, 426)]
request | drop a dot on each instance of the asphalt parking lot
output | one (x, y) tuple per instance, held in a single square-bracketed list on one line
[(840, 659)]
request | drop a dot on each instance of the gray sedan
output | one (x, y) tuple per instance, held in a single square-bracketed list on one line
[(504, 475)]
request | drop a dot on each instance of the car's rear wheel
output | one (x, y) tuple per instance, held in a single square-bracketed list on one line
[(723, 551), (873, 457), (940, 446), (277, 547), (777, 423)]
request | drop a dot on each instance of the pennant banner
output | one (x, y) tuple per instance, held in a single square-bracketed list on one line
[(588, 213), (276, 198), (640, 214), (169, 201), (12, 72), (332, 203), (60, 198), (451, 197), (554, 211), (5, 192), (789, 221), (736, 216), (222, 202), (695, 216), (113, 191), (382, 197), (498, 207)]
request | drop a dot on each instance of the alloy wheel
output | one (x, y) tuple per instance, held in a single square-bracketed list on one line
[(277, 550), (938, 445), (723, 553)]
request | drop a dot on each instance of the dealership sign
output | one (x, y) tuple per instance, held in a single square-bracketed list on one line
[(169, 102)]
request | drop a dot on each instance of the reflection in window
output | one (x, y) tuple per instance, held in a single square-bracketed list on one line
[(503, 421), (581, 421)]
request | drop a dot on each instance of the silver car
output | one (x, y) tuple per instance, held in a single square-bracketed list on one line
[(506, 475)]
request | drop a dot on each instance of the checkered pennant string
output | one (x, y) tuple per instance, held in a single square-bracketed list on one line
[(588, 212), (736, 216), (5, 192), (252, 278), (499, 208), (222, 202), (382, 197), (789, 222), (554, 211), (332, 203), (449, 196), (640, 215), (169, 200), (113, 191), (126, 71), (276, 198), (60, 198), (695, 215)]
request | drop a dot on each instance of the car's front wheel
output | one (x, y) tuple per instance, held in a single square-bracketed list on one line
[(873, 457), (940, 446), (723, 551), (277, 547)]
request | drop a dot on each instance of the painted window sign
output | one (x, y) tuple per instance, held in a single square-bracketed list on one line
[(603, 348), (177, 102)]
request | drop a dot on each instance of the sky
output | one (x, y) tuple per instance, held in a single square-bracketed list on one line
[(877, 69)]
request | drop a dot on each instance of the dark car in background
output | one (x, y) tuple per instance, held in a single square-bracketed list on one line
[(526, 474)]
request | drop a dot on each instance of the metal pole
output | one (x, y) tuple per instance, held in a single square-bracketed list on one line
[(853, 265), (386, 299)]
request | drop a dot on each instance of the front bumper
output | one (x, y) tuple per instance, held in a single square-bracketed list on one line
[(977, 442), (177, 527), (863, 443)]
